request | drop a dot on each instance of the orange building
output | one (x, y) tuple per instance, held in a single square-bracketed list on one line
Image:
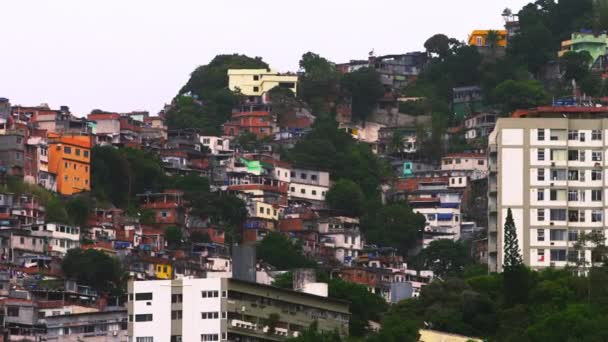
[(478, 38), (69, 160)]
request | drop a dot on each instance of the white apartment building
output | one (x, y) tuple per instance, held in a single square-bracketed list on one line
[(217, 145), (441, 223), (342, 236), (309, 185), (257, 82), (472, 162), (223, 309), (60, 237), (548, 166)]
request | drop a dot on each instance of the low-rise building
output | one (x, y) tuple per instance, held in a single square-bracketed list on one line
[(257, 82), (70, 160), (223, 309), (479, 125), (59, 237), (472, 162)]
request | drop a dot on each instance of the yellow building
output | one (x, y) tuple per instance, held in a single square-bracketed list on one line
[(69, 160), (257, 82), (163, 271), (438, 336), (478, 38)]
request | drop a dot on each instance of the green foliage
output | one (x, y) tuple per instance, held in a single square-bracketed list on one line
[(93, 268), (319, 85), (173, 236), (346, 197), (446, 258), (190, 182), (365, 89), (512, 95), (575, 65), (284, 280), (227, 211), (280, 252), (512, 257), (78, 208), (394, 225), (248, 141), (364, 305), (312, 334), (55, 208), (117, 175), (199, 237), (398, 325), (440, 45)]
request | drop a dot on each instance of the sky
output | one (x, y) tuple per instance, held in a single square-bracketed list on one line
[(125, 55)]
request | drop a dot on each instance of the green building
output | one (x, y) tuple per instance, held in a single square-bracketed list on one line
[(596, 46)]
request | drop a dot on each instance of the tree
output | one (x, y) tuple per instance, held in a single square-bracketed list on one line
[(512, 257), (440, 45), (394, 225), (364, 305), (173, 236), (312, 334), (93, 268), (575, 65), (445, 258), (346, 197), (280, 252), (78, 209), (319, 85), (365, 88), (513, 95), (199, 237)]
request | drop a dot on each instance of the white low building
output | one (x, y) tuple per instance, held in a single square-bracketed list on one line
[(60, 237)]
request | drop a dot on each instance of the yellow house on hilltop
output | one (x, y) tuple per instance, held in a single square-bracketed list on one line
[(478, 38), (257, 82)]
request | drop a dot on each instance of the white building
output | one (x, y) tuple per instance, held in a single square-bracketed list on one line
[(217, 145), (311, 185), (222, 309), (465, 162), (257, 82), (548, 167), (342, 235), (60, 237), (441, 223)]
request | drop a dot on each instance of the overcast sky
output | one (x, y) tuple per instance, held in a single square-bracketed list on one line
[(123, 55)]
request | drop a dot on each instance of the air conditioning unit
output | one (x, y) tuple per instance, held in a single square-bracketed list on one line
[(552, 184), (552, 223), (552, 163)]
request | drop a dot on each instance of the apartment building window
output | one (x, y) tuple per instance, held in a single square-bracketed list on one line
[(540, 175), (458, 161), (292, 174), (540, 134), (261, 210), (78, 152), (210, 315), (209, 337), (303, 191), (314, 192), (540, 215), (558, 255), (176, 315), (572, 235), (558, 175), (210, 294), (572, 195), (540, 254), (176, 338), (581, 176), (12, 311), (582, 137), (596, 134), (206, 141), (143, 296), (576, 216), (256, 89), (293, 189), (303, 176), (596, 195), (177, 298), (540, 154), (572, 175), (313, 177), (557, 195), (256, 77), (572, 135), (557, 234), (540, 195), (573, 155), (596, 175), (596, 216), (596, 156), (557, 134), (144, 339), (143, 318), (540, 235), (224, 294), (557, 214), (86, 154), (67, 150)]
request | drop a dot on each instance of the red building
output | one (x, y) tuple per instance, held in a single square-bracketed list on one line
[(167, 207), (260, 123)]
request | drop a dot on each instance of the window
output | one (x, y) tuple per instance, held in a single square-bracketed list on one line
[(596, 195), (540, 154), (143, 296), (224, 315), (573, 155), (540, 215), (224, 294), (78, 152), (314, 192), (303, 191), (256, 89), (558, 255), (210, 337), (557, 195), (143, 318), (303, 176), (572, 135), (557, 235), (176, 315), (581, 176), (164, 214), (210, 294), (596, 175), (479, 41), (540, 253), (557, 134), (596, 134), (582, 136), (558, 214), (558, 174), (576, 216), (89, 329), (261, 210), (540, 195), (540, 235), (210, 315), (313, 177), (540, 134), (176, 338), (67, 150), (256, 77), (293, 189), (596, 216), (573, 175), (458, 161), (86, 154), (12, 311), (144, 339), (596, 156), (572, 235), (292, 174), (481, 162), (540, 175), (573, 195)]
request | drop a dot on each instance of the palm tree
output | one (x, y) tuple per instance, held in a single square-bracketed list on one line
[(493, 39)]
